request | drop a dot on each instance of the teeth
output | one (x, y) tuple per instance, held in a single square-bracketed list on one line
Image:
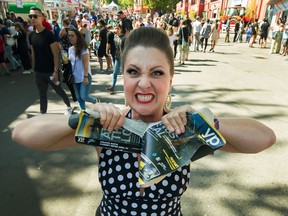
[(144, 97)]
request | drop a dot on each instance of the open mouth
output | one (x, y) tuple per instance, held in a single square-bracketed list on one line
[(144, 98)]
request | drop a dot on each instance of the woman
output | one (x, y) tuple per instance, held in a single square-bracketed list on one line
[(22, 47), (119, 40), (65, 44), (148, 70), (276, 37), (214, 35), (205, 34), (79, 58), (183, 42)]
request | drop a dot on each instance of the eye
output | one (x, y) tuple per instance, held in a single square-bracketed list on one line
[(157, 73), (132, 72)]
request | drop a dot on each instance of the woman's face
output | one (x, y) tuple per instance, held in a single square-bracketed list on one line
[(147, 82), (72, 37)]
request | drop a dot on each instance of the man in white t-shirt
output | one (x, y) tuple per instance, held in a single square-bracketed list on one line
[(197, 26)]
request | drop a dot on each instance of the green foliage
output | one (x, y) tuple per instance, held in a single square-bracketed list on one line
[(167, 5), (125, 3)]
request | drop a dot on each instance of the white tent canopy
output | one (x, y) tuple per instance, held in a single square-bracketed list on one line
[(112, 6)]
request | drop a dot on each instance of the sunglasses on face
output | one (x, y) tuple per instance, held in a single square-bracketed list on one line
[(35, 16)]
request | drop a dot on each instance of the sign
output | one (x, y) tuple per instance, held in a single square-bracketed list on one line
[(19, 4)]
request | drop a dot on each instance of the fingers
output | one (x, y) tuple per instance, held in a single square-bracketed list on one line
[(176, 119), (112, 118)]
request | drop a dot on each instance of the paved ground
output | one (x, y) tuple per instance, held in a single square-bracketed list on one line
[(233, 81)]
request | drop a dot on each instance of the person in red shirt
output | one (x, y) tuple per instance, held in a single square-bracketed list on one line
[(2, 57)]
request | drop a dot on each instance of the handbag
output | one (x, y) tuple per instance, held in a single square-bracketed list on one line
[(275, 35), (68, 76)]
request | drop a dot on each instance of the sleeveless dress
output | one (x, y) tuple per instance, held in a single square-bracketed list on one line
[(118, 175)]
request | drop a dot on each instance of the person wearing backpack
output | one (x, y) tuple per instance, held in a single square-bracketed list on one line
[(205, 34)]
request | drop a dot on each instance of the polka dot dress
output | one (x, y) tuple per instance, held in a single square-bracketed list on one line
[(118, 175)]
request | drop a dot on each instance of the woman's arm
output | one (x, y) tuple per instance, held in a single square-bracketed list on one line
[(242, 135), (245, 135), (45, 132)]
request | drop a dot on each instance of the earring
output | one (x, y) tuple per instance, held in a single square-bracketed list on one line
[(168, 103)]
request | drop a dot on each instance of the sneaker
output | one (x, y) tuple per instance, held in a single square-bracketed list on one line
[(68, 111), (27, 72), (111, 88)]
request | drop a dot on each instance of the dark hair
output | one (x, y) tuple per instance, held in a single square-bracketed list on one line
[(18, 25), (66, 22), (80, 43), (149, 38), (1, 22), (36, 9), (102, 22)]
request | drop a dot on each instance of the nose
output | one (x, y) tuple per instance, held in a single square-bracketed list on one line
[(144, 82)]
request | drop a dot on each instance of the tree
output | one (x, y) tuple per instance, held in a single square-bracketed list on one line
[(167, 5), (125, 3)]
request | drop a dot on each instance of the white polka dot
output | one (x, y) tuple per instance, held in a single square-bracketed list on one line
[(153, 188), (123, 187), (134, 155), (110, 161), (153, 214), (111, 180), (180, 191), (151, 195), (118, 168), (184, 171), (134, 205), (125, 156), (176, 177), (103, 164), (108, 152), (114, 190), (133, 213), (129, 175), (127, 166), (136, 164), (104, 173), (137, 194), (106, 191), (169, 195), (104, 182), (110, 171), (125, 203), (124, 211), (137, 174), (163, 213), (144, 214), (116, 158), (144, 206), (183, 181), (120, 178), (173, 187), (163, 206), (164, 183), (161, 191), (170, 209), (154, 207)]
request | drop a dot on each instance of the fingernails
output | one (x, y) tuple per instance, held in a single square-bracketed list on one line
[(178, 131), (171, 129)]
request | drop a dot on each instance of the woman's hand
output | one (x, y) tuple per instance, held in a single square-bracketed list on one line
[(111, 117), (85, 81), (176, 119)]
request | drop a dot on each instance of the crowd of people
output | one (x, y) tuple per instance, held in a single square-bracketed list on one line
[(103, 36)]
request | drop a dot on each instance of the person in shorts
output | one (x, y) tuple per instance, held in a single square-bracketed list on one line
[(284, 41)]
